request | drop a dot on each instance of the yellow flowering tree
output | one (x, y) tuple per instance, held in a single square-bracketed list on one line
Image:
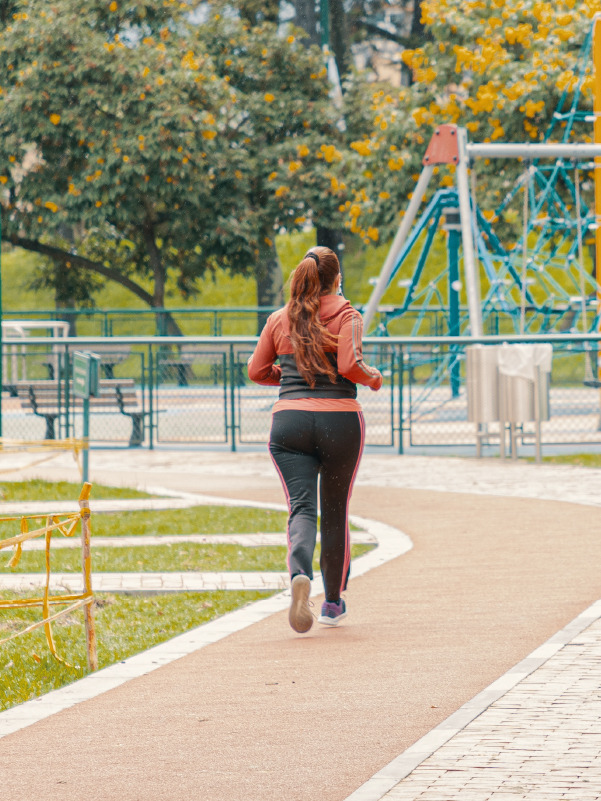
[(497, 67)]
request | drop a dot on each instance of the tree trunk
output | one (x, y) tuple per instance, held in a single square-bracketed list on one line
[(306, 18), (339, 36), (331, 238), (63, 256), (270, 281), (417, 26), (166, 325), (68, 318)]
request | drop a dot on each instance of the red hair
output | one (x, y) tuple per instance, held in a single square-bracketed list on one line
[(312, 278)]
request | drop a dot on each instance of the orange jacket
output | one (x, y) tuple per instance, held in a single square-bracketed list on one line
[(337, 314)]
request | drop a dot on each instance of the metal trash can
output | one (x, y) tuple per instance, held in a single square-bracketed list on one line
[(508, 384), (482, 380), (522, 369)]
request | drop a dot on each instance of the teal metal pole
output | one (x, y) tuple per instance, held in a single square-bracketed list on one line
[(150, 399), (86, 436), (401, 370), (233, 396), (454, 290)]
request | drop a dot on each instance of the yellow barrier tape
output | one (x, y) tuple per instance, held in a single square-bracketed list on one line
[(65, 524), (54, 600), (56, 445), (67, 444), (59, 525), (83, 602)]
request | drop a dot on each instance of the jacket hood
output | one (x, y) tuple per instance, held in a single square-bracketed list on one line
[(330, 306)]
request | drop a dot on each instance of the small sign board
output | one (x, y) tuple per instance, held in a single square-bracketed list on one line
[(85, 374)]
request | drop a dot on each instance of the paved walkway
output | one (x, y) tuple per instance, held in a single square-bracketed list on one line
[(254, 716), (216, 472), (189, 581)]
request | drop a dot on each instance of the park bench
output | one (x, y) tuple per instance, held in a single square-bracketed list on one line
[(110, 357), (179, 365), (42, 399)]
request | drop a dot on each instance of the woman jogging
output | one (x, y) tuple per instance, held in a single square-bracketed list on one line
[(318, 426)]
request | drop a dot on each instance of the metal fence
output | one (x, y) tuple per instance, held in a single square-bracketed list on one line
[(196, 391)]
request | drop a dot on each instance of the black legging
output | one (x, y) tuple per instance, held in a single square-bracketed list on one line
[(303, 445)]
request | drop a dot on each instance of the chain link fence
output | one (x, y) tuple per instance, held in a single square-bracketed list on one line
[(196, 391)]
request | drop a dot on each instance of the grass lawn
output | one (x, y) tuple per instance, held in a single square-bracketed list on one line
[(580, 459), (194, 520), (37, 490), (163, 558), (125, 625)]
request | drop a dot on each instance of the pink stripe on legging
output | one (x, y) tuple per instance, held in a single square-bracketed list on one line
[(289, 508), (347, 539)]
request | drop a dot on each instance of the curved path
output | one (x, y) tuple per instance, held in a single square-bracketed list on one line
[(266, 715)]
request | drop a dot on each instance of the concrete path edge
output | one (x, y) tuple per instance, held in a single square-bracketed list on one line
[(391, 543), (389, 776)]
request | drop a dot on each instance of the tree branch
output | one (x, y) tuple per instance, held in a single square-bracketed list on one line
[(64, 256)]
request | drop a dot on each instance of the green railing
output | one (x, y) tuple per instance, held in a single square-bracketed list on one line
[(195, 391)]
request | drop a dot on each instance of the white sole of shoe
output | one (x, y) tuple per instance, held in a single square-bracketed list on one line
[(331, 621), (300, 616)]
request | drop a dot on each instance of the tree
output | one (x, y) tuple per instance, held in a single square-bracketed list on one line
[(286, 129), (190, 144), (104, 127), (497, 68)]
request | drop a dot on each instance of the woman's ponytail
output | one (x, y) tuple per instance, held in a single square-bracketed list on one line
[(314, 277)]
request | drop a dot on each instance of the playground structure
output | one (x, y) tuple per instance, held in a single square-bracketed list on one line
[(522, 285), (65, 524)]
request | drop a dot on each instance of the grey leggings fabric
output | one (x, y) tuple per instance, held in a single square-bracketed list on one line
[(303, 446)]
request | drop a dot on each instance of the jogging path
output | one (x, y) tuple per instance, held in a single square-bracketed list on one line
[(267, 715)]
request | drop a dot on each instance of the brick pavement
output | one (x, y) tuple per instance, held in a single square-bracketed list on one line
[(156, 582), (541, 740), (244, 540)]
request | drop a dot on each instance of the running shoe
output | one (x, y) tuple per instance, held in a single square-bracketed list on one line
[(332, 612), (300, 615)]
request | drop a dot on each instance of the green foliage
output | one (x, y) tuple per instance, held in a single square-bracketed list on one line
[(165, 147)]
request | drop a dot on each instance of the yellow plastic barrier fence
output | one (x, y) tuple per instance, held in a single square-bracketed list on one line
[(43, 446), (66, 524)]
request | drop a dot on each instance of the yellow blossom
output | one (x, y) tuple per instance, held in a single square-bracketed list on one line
[(50, 205), (302, 150), (330, 153), (294, 166), (362, 148), (209, 134), (281, 190), (384, 195), (269, 98), (272, 176), (55, 119), (113, 6)]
